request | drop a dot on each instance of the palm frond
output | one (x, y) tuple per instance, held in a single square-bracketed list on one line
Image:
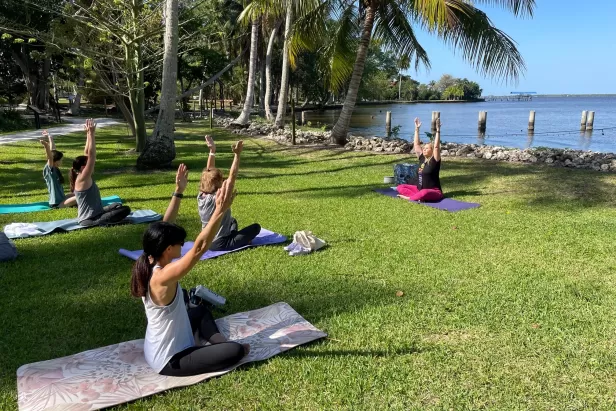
[(520, 8), (340, 51), (467, 29), (393, 29), (309, 30)]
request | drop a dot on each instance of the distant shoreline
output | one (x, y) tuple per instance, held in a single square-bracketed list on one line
[(555, 95)]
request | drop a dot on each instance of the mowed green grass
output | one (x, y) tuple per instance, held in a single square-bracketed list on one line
[(509, 306)]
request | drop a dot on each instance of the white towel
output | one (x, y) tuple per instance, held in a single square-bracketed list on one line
[(21, 230), (304, 242)]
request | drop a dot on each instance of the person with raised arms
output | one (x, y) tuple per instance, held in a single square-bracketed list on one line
[(170, 347), (428, 187), (228, 236), (90, 210), (53, 176)]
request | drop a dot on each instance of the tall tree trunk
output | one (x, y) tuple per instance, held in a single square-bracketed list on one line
[(400, 87), (136, 95), (284, 83), (76, 105), (262, 90), (268, 72), (160, 148), (252, 69), (341, 129)]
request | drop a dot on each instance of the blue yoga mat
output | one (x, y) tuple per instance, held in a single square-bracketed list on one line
[(265, 237), (43, 206), (72, 224)]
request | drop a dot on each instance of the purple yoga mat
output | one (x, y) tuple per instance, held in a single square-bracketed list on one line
[(446, 204), (265, 237)]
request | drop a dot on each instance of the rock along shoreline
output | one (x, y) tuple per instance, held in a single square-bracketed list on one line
[(556, 157)]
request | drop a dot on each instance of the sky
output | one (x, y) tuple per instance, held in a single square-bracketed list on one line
[(568, 47)]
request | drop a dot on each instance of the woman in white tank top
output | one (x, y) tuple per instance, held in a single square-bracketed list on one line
[(169, 346)]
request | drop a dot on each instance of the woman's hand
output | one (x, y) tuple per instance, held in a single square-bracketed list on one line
[(210, 143), (417, 123), (45, 134), (181, 179), (225, 196), (90, 126), (238, 147), (44, 143)]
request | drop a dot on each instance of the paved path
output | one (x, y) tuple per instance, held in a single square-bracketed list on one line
[(76, 124)]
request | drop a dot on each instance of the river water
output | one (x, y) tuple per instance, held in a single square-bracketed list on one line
[(557, 123)]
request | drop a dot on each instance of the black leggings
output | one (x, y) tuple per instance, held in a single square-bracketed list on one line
[(236, 239), (199, 360), (113, 213)]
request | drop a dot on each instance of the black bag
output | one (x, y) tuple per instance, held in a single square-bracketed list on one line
[(406, 174)]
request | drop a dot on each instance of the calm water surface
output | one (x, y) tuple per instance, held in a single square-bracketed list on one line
[(557, 122)]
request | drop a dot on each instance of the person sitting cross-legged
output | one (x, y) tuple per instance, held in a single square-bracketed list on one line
[(428, 187), (228, 236), (170, 347)]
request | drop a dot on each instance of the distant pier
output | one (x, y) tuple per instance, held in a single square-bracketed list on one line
[(514, 96)]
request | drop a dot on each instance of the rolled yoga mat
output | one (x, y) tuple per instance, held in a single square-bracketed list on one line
[(25, 230), (446, 204), (118, 373), (43, 206), (265, 237)]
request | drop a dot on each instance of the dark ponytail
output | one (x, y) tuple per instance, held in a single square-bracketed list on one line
[(78, 163), (156, 239), (142, 271)]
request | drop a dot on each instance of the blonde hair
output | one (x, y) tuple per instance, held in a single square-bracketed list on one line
[(211, 180)]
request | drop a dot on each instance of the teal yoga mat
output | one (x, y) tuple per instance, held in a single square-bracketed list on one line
[(43, 206)]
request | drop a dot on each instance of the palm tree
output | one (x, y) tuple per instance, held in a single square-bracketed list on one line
[(284, 80), (244, 116), (457, 22), (159, 150), (268, 71)]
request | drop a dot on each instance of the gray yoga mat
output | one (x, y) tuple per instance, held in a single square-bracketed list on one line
[(72, 224)]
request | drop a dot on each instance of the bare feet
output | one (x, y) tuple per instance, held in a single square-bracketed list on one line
[(246, 349)]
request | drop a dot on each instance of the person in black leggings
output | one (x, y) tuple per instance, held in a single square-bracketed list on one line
[(228, 236), (170, 347), (90, 210)]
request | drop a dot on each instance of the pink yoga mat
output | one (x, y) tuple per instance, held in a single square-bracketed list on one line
[(265, 237), (118, 373)]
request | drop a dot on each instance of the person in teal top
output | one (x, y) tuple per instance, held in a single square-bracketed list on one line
[(53, 176)]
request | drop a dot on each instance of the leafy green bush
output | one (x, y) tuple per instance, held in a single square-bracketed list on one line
[(11, 120)]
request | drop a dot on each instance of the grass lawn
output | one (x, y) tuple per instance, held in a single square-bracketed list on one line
[(509, 306)]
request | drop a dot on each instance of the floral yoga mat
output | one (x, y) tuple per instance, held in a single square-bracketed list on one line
[(118, 373)]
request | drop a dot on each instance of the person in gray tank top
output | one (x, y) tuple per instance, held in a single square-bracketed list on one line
[(229, 236), (90, 210), (170, 347)]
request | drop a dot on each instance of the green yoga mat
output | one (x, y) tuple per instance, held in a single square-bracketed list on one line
[(42, 206)]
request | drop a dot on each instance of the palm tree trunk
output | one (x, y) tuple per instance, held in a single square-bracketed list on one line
[(284, 83), (160, 148), (268, 72), (341, 129), (252, 69)]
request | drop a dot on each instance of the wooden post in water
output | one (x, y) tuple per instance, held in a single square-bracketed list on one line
[(583, 121), (433, 123), (483, 119), (303, 118), (211, 118), (531, 121), (591, 120), (388, 123)]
